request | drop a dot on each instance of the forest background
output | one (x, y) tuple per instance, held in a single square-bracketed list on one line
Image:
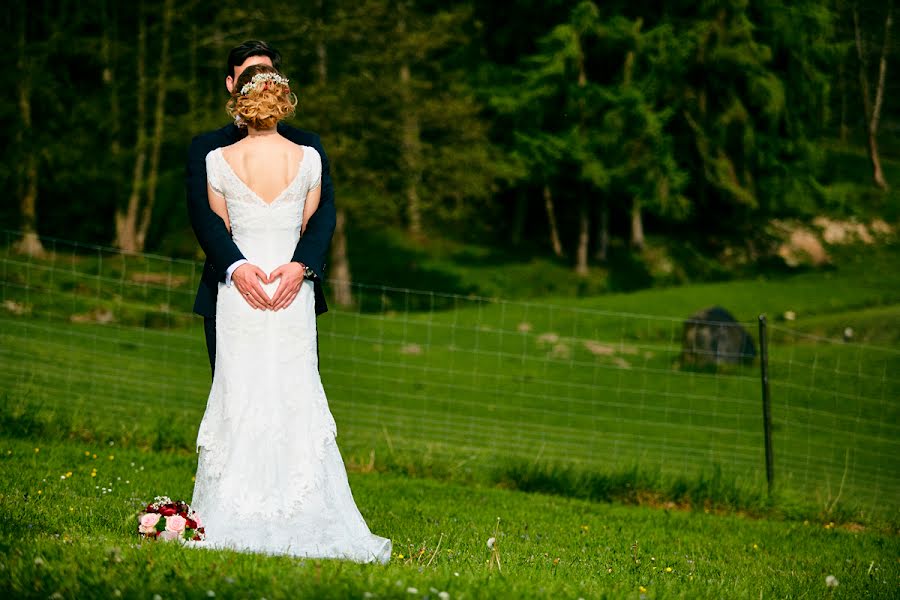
[(632, 143)]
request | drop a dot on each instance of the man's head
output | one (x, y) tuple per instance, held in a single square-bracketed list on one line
[(251, 52)]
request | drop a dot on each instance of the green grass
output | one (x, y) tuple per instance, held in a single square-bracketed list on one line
[(80, 542), (564, 395), (454, 410)]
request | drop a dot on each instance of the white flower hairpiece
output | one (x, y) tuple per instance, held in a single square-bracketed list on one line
[(263, 78)]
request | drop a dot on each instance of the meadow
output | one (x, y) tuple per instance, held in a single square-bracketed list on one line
[(68, 534), (569, 419)]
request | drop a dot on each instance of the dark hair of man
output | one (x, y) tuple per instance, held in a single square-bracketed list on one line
[(239, 54)]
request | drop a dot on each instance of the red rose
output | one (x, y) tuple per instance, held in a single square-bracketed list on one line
[(191, 524), (167, 511), (196, 538)]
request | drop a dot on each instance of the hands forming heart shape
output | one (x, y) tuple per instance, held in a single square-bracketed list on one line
[(248, 278)]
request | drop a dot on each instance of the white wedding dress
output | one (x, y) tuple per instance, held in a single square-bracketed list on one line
[(270, 477)]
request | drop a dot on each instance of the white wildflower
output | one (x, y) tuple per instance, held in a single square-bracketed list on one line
[(39, 562), (831, 581), (412, 590), (491, 541), (444, 596)]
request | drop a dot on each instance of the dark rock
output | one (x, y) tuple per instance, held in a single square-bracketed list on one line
[(713, 337)]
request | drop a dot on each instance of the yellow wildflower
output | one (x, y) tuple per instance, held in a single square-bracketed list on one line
[(668, 569), (37, 449), (642, 590)]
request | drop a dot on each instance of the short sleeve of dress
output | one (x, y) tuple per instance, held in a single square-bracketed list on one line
[(213, 175), (315, 176)]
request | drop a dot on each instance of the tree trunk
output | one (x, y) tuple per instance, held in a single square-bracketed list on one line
[(581, 254), (108, 57), (342, 280), (843, 130), (193, 92), (411, 152), (637, 225), (521, 212), (872, 109), (410, 144), (555, 243), (126, 220), (30, 243), (159, 120), (602, 253)]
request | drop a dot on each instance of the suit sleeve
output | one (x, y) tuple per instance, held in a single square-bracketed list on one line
[(209, 227), (312, 248)]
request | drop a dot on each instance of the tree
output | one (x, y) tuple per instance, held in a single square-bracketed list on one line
[(342, 278), (28, 189), (872, 107), (602, 122), (133, 220)]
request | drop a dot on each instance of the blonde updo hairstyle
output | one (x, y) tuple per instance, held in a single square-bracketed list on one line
[(266, 103)]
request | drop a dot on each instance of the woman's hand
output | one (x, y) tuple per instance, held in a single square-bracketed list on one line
[(291, 275)]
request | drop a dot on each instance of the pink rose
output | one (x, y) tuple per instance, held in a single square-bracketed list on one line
[(168, 536), (175, 523), (148, 523)]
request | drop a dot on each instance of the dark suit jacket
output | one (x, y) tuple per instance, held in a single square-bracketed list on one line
[(221, 251)]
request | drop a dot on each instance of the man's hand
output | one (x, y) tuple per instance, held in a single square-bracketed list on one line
[(291, 275), (246, 279)]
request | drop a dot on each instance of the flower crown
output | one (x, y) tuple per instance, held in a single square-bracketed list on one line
[(263, 78)]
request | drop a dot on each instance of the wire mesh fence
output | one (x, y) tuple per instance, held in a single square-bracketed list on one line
[(91, 332)]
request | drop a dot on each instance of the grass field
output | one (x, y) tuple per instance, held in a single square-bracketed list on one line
[(80, 542), (449, 409)]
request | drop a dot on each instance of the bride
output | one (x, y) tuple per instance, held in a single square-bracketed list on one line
[(270, 477)]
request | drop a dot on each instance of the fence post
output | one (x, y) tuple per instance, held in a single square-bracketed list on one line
[(767, 410)]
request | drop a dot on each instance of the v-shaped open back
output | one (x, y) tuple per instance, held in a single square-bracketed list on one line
[(265, 232), (256, 194)]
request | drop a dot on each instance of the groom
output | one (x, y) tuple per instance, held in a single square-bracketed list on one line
[(224, 261)]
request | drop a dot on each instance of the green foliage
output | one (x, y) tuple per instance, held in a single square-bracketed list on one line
[(712, 117)]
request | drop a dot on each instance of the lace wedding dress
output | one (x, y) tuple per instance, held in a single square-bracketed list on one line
[(270, 477)]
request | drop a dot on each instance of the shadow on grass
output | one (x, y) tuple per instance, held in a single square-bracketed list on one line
[(377, 255)]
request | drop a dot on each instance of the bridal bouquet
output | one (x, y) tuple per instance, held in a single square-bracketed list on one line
[(168, 520)]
